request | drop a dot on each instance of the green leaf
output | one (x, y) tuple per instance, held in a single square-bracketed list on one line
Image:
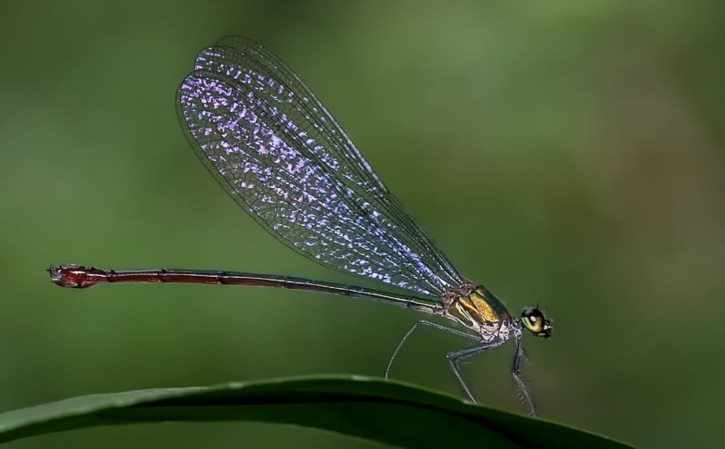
[(387, 412)]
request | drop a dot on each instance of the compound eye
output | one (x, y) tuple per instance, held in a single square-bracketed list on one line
[(533, 320)]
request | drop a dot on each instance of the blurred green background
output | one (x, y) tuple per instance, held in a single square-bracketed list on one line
[(567, 154)]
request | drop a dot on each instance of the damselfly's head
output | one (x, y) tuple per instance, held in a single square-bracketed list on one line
[(535, 322)]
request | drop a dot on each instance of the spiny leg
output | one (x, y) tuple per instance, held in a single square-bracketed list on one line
[(519, 358), (456, 357), (414, 327)]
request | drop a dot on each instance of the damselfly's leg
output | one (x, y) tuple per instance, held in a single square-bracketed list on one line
[(456, 357), (519, 359), (424, 323)]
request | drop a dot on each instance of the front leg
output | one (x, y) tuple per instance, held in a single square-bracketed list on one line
[(519, 359)]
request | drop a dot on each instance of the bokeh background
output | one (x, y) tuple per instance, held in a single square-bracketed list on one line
[(567, 154)]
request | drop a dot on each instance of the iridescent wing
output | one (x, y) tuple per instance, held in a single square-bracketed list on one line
[(279, 153)]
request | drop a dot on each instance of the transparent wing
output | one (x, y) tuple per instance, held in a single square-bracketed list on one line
[(279, 153)]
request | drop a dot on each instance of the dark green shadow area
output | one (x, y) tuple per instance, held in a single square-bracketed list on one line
[(392, 413)]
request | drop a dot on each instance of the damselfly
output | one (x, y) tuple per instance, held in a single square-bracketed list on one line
[(284, 159)]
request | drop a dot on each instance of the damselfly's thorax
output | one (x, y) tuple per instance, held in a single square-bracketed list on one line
[(477, 309)]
